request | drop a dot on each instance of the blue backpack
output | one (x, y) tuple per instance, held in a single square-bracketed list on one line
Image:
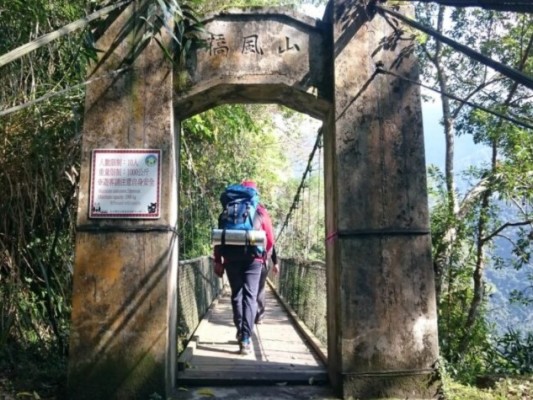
[(239, 212)]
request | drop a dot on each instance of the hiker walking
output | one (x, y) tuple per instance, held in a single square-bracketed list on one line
[(243, 262), (261, 294)]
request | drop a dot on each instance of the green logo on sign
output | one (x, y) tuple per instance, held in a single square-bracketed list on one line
[(150, 160)]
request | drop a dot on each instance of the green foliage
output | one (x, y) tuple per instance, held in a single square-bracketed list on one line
[(473, 226), (38, 175), (177, 19), (39, 164), (487, 387), (231, 143), (29, 372), (204, 7), (218, 147), (151, 21), (303, 236), (512, 353), (36, 238), (504, 389), (49, 68)]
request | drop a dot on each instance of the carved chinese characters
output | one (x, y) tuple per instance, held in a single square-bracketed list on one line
[(285, 53), (216, 45), (259, 47)]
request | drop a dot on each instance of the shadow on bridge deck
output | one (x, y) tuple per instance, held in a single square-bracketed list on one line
[(282, 364)]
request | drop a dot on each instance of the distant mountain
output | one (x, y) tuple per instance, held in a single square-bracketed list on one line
[(501, 312), (501, 281)]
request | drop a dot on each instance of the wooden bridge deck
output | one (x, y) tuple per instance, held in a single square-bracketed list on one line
[(281, 353)]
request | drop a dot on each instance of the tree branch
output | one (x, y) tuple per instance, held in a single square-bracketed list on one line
[(505, 226), (49, 37), (500, 5), (496, 65)]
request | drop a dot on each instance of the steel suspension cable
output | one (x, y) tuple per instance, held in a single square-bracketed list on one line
[(320, 176), (511, 73), (298, 224), (500, 5), (456, 98), (308, 240), (194, 210), (49, 37), (300, 187)]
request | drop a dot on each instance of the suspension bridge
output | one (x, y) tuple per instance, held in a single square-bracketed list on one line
[(148, 322), (373, 307), (289, 346), (282, 350)]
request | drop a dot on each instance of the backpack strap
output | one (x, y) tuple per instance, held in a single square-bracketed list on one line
[(257, 222), (223, 237), (258, 219), (249, 216)]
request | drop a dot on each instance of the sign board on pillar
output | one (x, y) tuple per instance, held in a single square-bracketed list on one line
[(125, 183)]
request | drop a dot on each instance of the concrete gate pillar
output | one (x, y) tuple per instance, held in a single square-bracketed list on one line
[(381, 309), (124, 295)]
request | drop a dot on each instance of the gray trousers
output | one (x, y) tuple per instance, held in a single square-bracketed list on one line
[(261, 296), (244, 277)]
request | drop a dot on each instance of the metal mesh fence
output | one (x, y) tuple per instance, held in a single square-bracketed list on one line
[(198, 286), (302, 284)]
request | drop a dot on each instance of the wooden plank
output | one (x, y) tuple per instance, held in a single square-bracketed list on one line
[(313, 341), (186, 356), (279, 352), (251, 377)]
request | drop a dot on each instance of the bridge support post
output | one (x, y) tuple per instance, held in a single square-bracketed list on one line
[(381, 300), (124, 295)]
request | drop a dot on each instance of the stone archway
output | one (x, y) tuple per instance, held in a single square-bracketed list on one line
[(382, 328), (254, 56)]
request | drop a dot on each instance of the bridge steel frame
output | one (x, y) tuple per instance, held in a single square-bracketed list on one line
[(382, 318)]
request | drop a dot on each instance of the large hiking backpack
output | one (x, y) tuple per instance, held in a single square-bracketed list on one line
[(239, 212)]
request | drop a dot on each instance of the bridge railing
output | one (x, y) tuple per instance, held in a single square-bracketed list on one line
[(198, 287), (302, 284)]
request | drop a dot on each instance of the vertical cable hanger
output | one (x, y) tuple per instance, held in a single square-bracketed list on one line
[(202, 219), (320, 177), (308, 234), (300, 188)]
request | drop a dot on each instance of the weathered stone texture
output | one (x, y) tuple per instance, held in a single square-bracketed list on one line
[(384, 304), (123, 289), (257, 56), (387, 316), (382, 331), (119, 318)]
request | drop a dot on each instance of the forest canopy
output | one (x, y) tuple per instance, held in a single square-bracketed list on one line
[(481, 220)]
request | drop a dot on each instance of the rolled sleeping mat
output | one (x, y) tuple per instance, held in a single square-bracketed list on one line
[(238, 237)]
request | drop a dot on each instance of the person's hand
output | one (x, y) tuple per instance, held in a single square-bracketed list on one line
[(219, 269), (275, 269)]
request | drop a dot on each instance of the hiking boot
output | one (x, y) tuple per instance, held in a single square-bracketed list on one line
[(245, 346)]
